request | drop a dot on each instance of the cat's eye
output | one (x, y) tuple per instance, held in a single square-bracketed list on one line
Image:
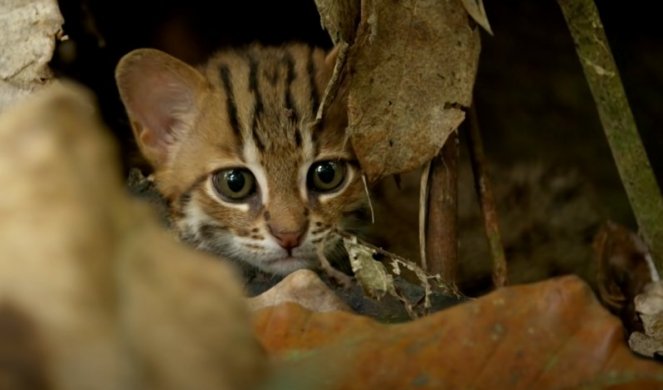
[(234, 184), (326, 176)]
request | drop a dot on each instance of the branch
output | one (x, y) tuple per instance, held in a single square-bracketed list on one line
[(441, 228), (616, 117), (486, 200)]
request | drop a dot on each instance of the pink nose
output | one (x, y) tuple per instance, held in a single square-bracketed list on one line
[(288, 240)]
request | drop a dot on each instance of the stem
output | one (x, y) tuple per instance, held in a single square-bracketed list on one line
[(486, 200), (442, 219), (602, 75)]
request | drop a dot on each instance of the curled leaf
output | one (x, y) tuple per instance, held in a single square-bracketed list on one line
[(622, 271), (478, 13)]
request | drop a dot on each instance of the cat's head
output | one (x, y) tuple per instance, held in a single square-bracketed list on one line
[(235, 152)]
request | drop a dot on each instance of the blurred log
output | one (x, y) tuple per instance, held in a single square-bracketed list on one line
[(94, 294)]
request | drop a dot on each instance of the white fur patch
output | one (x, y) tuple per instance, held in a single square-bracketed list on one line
[(252, 158), (194, 217)]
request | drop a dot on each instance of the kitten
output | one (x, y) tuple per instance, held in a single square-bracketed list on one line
[(236, 154)]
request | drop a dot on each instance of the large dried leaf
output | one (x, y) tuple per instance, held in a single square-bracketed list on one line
[(550, 335), (412, 69), (339, 18)]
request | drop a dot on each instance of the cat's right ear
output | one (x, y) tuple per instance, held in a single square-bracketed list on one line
[(160, 94)]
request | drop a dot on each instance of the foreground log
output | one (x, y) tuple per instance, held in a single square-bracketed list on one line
[(93, 294)]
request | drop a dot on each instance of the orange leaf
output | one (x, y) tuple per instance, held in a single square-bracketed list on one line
[(552, 334)]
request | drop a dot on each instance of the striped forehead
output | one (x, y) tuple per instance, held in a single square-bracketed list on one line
[(271, 97)]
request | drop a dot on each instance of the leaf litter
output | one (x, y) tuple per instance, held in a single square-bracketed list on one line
[(376, 270)]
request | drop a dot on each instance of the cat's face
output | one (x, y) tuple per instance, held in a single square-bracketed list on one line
[(236, 154)]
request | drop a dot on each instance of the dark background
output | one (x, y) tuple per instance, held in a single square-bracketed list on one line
[(533, 103)]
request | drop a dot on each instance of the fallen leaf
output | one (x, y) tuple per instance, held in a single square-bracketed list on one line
[(411, 72), (368, 264), (372, 275), (623, 270), (549, 335)]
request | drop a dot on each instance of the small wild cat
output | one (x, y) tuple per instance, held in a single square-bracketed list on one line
[(236, 154)]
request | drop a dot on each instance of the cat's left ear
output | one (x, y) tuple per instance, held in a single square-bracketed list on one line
[(161, 96)]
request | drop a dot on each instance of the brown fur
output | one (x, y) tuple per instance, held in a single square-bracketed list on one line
[(253, 108)]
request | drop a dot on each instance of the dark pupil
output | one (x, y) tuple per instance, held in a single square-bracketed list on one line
[(235, 180), (325, 172)]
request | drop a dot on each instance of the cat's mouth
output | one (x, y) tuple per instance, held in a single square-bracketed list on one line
[(285, 264), (287, 259), (299, 254)]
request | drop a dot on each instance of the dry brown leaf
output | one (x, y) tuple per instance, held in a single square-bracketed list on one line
[(549, 335), (478, 13), (412, 68), (339, 18), (623, 269)]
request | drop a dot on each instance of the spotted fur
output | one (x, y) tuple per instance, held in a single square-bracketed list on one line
[(251, 108)]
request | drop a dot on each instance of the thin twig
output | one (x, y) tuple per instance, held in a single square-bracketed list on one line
[(602, 75), (423, 214), (368, 197), (486, 200)]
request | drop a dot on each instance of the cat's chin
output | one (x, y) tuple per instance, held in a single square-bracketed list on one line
[(285, 265)]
